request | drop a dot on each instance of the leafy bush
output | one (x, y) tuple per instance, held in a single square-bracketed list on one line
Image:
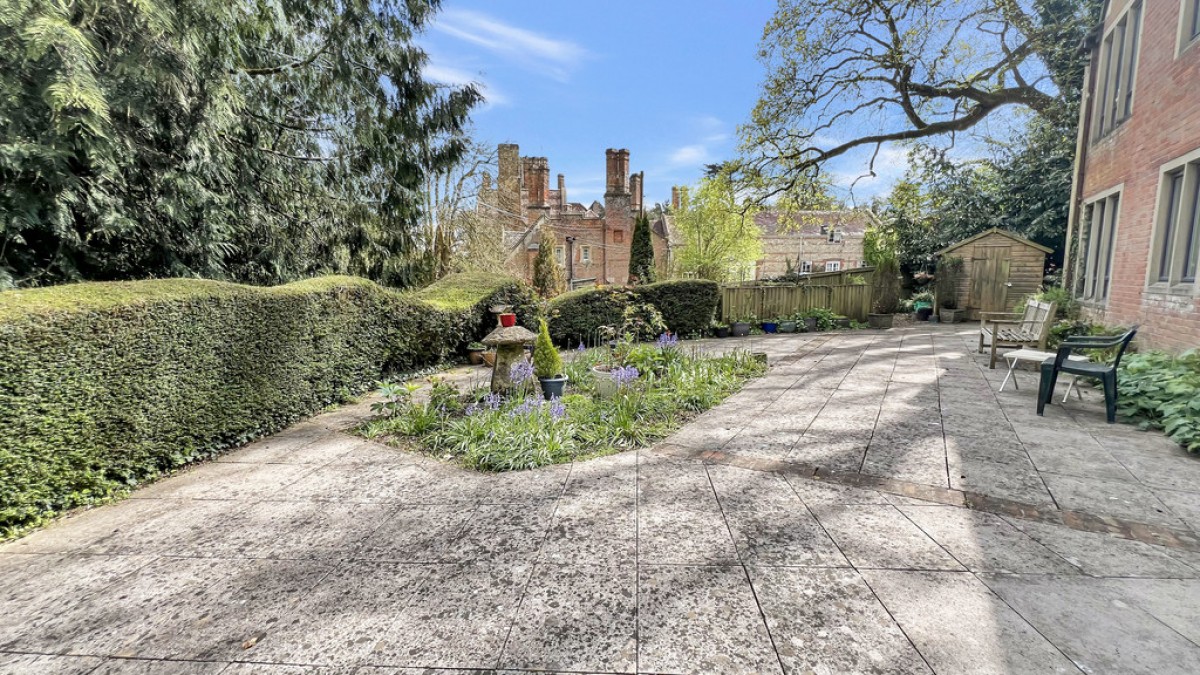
[(687, 308), (1066, 306), (1161, 391), (642, 321), (106, 385), (546, 361), (886, 286), (948, 271), (523, 431)]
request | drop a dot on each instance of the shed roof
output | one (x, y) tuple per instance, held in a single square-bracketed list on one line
[(995, 230)]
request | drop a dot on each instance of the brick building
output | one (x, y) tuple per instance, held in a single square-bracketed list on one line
[(1134, 234), (811, 241), (591, 243)]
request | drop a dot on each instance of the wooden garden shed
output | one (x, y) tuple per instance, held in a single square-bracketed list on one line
[(999, 270)]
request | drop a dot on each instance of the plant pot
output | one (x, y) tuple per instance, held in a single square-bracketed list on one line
[(770, 327), (552, 387), (951, 315), (475, 356), (787, 326), (924, 313), (508, 320), (606, 386), (722, 331), (934, 318), (489, 359), (741, 328), (841, 322), (879, 320), (810, 324)]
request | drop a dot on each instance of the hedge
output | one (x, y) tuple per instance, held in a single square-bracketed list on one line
[(106, 385), (687, 306)]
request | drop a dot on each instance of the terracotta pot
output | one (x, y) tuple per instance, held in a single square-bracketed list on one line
[(475, 356), (508, 320), (489, 358)]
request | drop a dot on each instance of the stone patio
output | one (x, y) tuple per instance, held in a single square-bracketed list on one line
[(872, 505)]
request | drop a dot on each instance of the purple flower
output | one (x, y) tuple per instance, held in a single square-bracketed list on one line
[(528, 406), (623, 375), (667, 340), (493, 401), (581, 348), (557, 409), (520, 371)]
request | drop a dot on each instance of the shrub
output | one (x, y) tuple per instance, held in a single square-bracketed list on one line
[(546, 361), (948, 272), (687, 308), (1161, 391), (548, 278), (687, 305), (106, 385), (885, 295), (641, 253)]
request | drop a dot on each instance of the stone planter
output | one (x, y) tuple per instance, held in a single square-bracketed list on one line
[(952, 315), (741, 328), (606, 386), (841, 322), (787, 326), (552, 387), (721, 331), (879, 320), (810, 324)]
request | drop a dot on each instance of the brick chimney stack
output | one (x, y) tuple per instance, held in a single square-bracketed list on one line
[(562, 191), (617, 171), (674, 197), (636, 180), (537, 181), (508, 182)]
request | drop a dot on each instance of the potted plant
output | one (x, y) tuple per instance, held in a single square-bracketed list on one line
[(475, 353), (808, 321), (885, 290), (923, 305), (841, 321), (741, 327), (787, 325), (489, 358), (508, 320), (720, 329), (948, 271), (547, 364), (770, 326)]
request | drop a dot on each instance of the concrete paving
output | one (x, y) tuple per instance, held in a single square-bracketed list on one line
[(911, 520)]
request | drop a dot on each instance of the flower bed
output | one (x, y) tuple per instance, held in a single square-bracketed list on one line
[(658, 387)]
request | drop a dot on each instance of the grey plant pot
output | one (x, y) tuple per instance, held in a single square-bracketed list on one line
[(787, 326), (879, 320), (810, 324), (741, 328), (552, 387)]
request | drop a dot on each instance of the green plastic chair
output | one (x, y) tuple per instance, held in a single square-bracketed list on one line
[(1105, 372)]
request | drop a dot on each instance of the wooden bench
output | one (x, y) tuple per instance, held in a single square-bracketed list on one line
[(1010, 329)]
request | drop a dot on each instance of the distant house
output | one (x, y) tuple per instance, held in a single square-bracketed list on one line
[(1134, 234), (805, 242)]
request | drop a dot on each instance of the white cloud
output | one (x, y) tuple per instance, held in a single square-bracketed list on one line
[(689, 154), (444, 74), (537, 52)]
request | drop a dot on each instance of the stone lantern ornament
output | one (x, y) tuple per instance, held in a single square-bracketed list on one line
[(510, 348)]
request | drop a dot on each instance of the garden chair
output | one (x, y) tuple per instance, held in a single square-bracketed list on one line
[(1105, 372), (1031, 329)]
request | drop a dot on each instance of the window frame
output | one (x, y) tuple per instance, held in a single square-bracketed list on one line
[(806, 267), (560, 255), (1189, 26), (833, 265), (585, 255), (1116, 83), (1095, 283), (1175, 238)]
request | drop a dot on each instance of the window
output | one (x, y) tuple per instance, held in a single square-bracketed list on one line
[(834, 235), (806, 267), (833, 266), (560, 255), (1117, 72), (1099, 233), (1177, 232), (585, 255), (619, 236), (1190, 21)]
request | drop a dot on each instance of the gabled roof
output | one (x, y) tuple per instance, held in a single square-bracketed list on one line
[(995, 230), (813, 223)]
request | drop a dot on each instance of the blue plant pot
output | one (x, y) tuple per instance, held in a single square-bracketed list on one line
[(770, 327)]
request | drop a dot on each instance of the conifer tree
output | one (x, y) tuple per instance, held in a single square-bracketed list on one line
[(641, 253), (547, 275)]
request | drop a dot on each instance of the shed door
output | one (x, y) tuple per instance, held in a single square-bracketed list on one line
[(989, 278)]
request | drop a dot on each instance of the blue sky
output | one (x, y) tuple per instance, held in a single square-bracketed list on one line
[(670, 81)]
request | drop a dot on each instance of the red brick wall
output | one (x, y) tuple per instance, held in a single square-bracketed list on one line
[(1164, 125)]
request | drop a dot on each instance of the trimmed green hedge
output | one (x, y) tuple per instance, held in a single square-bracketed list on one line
[(687, 306), (106, 385)]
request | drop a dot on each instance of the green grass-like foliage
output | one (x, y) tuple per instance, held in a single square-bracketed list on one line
[(106, 385), (523, 431), (546, 361), (1161, 391), (687, 307)]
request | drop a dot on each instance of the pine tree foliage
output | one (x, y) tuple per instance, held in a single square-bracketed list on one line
[(256, 142), (641, 253), (548, 278)]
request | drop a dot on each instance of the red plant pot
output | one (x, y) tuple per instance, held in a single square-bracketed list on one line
[(508, 320)]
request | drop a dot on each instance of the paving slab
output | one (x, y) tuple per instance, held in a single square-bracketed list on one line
[(829, 621), (874, 536), (39, 664), (701, 620), (783, 537), (960, 626), (1103, 555), (1110, 498), (683, 537), (984, 542)]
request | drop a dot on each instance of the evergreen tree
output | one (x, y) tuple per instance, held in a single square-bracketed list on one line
[(641, 253), (547, 275)]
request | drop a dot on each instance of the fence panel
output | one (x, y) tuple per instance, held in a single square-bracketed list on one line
[(771, 301)]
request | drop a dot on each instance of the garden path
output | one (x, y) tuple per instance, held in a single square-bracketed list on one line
[(871, 505)]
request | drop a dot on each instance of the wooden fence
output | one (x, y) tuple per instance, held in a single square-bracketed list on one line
[(767, 302)]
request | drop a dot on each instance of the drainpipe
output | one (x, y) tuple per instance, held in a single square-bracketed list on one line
[(1081, 146), (570, 263)]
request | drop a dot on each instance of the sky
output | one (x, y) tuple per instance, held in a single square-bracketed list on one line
[(668, 79)]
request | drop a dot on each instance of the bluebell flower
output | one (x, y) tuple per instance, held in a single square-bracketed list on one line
[(493, 401), (520, 371), (623, 375), (581, 348), (558, 409), (667, 341)]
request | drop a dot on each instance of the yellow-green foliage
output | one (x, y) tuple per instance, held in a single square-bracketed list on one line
[(546, 361), (106, 385)]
